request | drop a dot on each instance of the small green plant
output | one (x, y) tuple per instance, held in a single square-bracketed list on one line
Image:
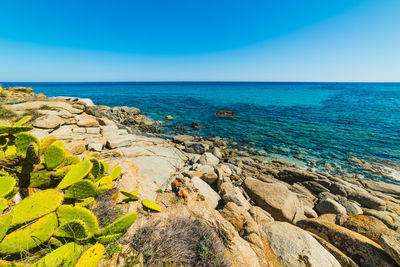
[(112, 249)]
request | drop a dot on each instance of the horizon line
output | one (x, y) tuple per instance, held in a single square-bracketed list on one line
[(193, 81)]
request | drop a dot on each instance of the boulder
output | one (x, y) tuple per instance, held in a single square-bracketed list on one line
[(384, 216), (310, 212), (87, 121), (391, 244), (207, 173), (208, 159), (330, 206), (48, 122), (230, 193), (182, 138), (240, 219), (296, 247), (196, 148), (359, 248), (368, 226), (217, 152), (260, 216), (367, 200), (352, 208), (209, 194), (276, 199), (119, 141), (76, 147)]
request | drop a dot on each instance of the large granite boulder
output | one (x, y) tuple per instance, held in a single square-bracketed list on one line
[(330, 206), (366, 225), (359, 248), (391, 244), (209, 194), (296, 247), (276, 199)]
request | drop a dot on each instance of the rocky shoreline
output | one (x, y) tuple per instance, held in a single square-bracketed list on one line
[(264, 213)]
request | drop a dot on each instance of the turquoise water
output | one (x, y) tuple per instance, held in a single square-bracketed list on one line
[(317, 125)]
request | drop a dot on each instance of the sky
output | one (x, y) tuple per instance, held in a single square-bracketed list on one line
[(193, 40)]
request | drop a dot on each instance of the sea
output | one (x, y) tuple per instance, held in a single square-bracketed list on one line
[(349, 129)]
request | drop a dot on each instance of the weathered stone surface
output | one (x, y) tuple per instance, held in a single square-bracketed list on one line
[(368, 226), (230, 193), (48, 122), (383, 187), (119, 141), (43, 104), (292, 175), (182, 138), (384, 216), (208, 159), (358, 247), (391, 244), (76, 147), (93, 130), (209, 194), (344, 260), (240, 219), (217, 152), (330, 206), (87, 121), (276, 199), (367, 200), (260, 216), (95, 147), (207, 173), (296, 247), (310, 212), (196, 148), (352, 208)]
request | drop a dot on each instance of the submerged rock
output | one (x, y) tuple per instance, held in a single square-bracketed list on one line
[(226, 113)]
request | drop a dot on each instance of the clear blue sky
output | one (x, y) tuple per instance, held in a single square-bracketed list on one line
[(200, 40)]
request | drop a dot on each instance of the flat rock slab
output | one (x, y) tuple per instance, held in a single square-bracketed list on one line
[(359, 248), (209, 194), (44, 104), (296, 247), (391, 244), (48, 122)]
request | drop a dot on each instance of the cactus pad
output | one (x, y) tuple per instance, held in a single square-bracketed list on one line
[(85, 202), (76, 229), (67, 213), (91, 257), (54, 155), (82, 189), (66, 255), (116, 172), (151, 205), (36, 205), (118, 226), (46, 142), (97, 169), (3, 204), (104, 183), (40, 178), (23, 140), (130, 195), (105, 239), (30, 236), (10, 129), (5, 221), (22, 121), (77, 173), (7, 184)]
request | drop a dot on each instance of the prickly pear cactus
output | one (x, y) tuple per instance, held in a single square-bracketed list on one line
[(7, 184), (32, 157), (23, 140), (22, 239), (77, 173), (22, 121), (104, 183), (3, 204), (130, 195), (67, 213), (5, 221), (151, 205), (40, 178), (54, 155), (46, 142), (36, 205), (97, 169), (11, 129), (82, 189), (91, 257), (66, 255), (116, 172), (105, 239), (75, 229), (118, 226)]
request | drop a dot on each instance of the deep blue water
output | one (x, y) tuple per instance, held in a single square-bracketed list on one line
[(306, 123)]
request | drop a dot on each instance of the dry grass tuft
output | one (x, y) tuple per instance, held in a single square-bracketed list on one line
[(179, 242)]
